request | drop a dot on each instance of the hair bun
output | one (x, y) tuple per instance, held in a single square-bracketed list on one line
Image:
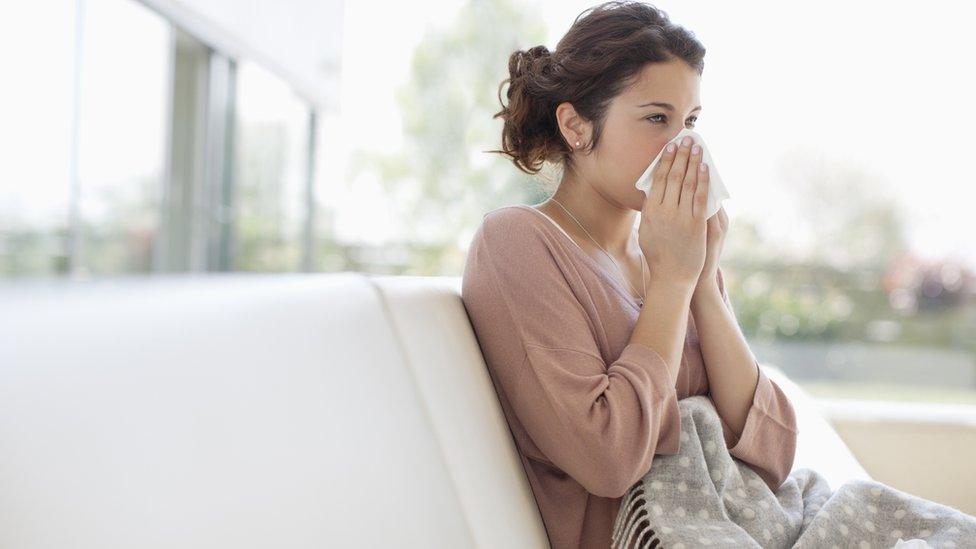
[(535, 60)]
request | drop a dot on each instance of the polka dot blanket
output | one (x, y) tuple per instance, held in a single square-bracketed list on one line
[(704, 497)]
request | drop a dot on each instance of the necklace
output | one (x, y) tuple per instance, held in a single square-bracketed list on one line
[(641, 300)]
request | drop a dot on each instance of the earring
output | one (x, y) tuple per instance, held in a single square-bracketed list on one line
[(577, 143)]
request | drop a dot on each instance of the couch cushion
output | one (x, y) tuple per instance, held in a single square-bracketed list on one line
[(215, 411), (444, 358)]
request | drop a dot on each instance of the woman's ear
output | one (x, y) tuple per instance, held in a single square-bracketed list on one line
[(572, 126)]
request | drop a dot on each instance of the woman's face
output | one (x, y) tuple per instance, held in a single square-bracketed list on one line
[(635, 131)]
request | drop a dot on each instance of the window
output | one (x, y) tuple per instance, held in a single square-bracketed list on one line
[(122, 114), (270, 200), (36, 136), (85, 123), (140, 148)]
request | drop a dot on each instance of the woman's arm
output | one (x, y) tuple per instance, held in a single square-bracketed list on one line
[(663, 324), (731, 368), (758, 419)]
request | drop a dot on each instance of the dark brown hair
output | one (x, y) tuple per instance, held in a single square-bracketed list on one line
[(599, 57)]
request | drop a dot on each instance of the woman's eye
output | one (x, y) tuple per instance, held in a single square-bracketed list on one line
[(656, 118)]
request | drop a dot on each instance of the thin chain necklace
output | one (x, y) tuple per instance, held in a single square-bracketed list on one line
[(608, 254)]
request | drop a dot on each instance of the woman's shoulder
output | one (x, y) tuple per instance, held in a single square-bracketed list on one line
[(513, 226), (512, 217), (512, 254), (517, 223), (510, 235)]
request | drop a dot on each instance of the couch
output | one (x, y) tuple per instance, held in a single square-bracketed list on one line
[(268, 410)]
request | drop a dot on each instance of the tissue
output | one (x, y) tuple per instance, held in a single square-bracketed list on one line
[(716, 192), (914, 543)]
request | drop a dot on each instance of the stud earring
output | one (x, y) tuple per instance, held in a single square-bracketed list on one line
[(577, 143)]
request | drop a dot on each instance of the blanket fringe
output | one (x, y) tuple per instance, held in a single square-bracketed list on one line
[(633, 521)]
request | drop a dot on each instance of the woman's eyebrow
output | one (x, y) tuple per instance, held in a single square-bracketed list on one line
[(668, 106)]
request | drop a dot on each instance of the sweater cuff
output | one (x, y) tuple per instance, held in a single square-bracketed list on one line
[(666, 396), (758, 414), (764, 430)]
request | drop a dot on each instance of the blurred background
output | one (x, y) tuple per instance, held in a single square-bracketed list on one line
[(147, 137)]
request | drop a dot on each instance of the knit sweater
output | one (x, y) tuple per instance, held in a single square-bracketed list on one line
[(587, 409)]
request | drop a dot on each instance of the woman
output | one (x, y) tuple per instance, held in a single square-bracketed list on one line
[(588, 375)]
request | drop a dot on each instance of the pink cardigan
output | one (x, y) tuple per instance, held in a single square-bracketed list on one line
[(588, 410)]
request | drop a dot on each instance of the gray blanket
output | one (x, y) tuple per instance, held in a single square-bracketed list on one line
[(704, 496)]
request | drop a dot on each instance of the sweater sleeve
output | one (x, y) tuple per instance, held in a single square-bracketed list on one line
[(600, 423), (768, 439)]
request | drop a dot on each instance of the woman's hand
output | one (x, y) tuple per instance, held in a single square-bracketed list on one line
[(672, 231), (718, 227)]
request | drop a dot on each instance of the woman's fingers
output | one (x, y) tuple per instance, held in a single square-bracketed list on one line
[(701, 193), (660, 178), (676, 175), (691, 179)]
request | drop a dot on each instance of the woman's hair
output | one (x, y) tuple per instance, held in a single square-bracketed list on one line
[(600, 56)]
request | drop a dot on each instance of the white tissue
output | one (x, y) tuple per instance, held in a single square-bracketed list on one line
[(915, 543), (716, 191)]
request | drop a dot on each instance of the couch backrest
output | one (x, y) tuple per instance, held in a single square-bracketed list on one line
[(240, 411)]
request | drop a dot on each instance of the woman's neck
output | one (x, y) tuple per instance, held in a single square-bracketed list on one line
[(611, 225)]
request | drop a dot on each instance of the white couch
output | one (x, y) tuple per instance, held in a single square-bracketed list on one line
[(267, 410)]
